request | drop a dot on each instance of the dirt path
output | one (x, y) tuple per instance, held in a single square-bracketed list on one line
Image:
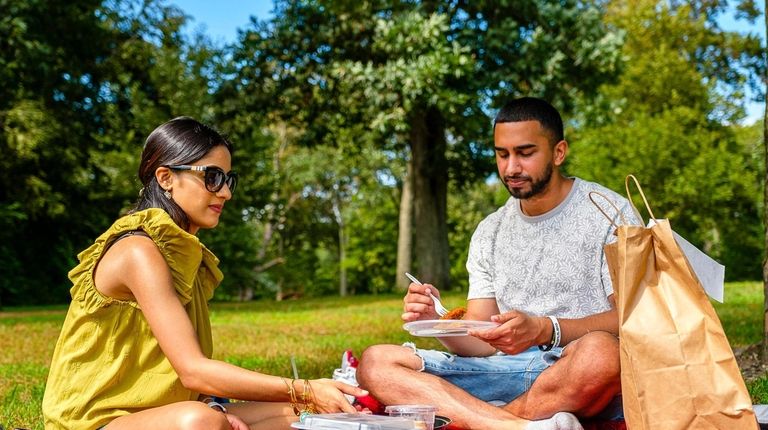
[(750, 363)]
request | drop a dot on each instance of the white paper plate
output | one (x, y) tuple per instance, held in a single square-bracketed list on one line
[(446, 328)]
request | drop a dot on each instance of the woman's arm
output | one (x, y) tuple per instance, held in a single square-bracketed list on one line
[(136, 265)]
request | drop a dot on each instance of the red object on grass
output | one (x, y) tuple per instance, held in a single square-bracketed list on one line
[(372, 404)]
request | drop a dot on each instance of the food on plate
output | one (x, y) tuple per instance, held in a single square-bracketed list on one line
[(455, 314), (450, 324)]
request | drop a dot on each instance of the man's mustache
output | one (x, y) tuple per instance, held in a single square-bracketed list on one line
[(517, 178)]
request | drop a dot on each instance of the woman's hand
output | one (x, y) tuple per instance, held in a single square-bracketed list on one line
[(236, 423), (329, 395)]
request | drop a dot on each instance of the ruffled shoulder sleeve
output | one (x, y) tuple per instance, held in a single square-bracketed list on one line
[(182, 251), (210, 274)]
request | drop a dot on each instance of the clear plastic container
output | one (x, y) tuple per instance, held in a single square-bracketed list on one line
[(355, 422), (422, 415)]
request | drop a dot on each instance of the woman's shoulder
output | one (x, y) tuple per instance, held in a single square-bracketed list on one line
[(158, 236), (159, 226), (135, 249), (152, 221), (181, 250)]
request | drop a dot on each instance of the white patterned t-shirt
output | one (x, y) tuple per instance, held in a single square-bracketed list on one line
[(551, 264)]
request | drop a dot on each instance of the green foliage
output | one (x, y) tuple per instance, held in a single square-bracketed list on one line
[(322, 101), (81, 85), (372, 255), (400, 78), (666, 122), (417, 65)]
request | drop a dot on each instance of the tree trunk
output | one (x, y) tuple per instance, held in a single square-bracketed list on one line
[(279, 293), (342, 268), (765, 200), (430, 196), (342, 246), (405, 230)]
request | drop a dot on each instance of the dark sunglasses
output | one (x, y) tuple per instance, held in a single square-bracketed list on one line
[(215, 178)]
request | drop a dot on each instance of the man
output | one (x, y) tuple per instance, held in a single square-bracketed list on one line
[(536, 266)]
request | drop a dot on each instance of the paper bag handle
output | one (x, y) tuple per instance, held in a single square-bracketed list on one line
[(629, 197), (610, 202)]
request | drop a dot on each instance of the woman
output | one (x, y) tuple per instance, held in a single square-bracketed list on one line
[(135, 349)]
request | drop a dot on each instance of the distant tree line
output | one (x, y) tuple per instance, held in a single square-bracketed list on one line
[(362, 129)]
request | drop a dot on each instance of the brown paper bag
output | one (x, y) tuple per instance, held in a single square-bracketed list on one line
[(677, 368)]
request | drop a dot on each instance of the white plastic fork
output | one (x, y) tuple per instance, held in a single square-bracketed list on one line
[(439, 308)]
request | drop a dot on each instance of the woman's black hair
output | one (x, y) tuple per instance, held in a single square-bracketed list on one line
[(181, 140)]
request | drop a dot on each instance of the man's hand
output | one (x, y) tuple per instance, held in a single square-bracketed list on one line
[(518, 331), (417, 303)]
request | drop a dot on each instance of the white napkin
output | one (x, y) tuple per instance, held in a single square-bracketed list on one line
[(711, 274)]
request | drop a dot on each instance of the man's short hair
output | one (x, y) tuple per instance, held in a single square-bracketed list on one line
[(533, 109)]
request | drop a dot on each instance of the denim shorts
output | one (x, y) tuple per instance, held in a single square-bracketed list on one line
[(481, 376), (499, 378)]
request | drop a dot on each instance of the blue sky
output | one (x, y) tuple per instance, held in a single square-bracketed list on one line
[(221, 19)]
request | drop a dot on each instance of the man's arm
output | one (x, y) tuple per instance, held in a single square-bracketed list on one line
[(572, 329), (520, 331)]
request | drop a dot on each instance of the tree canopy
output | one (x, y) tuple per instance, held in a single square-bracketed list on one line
[(362, 130), (671, 120)]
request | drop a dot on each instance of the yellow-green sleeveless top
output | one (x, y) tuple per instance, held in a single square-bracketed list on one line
[(107, 363)]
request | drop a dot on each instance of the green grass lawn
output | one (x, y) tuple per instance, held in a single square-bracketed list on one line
[(264, 335)]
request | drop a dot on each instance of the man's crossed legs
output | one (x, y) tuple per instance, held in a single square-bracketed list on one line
[(582, 378)]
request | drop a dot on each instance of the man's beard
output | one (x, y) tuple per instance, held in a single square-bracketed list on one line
[(537, 185)]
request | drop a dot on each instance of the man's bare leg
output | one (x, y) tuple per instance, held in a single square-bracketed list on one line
[(583, 381), (392, 374)]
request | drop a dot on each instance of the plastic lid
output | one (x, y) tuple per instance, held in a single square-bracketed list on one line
[(410, 408), (343, 421)]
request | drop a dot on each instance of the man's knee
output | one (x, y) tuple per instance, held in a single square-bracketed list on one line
[(599, 353), (376, 359), (595, 359)]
